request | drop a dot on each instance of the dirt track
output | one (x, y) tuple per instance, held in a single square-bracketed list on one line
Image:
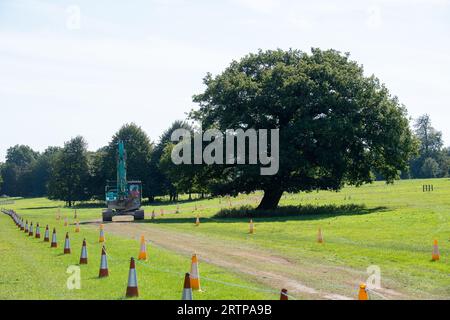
[(273, 271)]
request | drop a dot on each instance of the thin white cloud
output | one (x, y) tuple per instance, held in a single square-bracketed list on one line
[(262, 6)]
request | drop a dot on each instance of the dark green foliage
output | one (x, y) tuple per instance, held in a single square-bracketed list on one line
[(161, 183), (432, 161), (17, 171), (70, 173), (336, 125)]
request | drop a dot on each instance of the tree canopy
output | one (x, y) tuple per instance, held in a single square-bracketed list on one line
[(336, 125), (70, 173)]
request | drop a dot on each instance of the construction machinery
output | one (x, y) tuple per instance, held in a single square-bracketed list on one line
[(123, 197)]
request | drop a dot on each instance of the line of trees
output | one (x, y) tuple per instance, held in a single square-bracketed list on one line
[(73, 174), (336, 127), (433, 160)]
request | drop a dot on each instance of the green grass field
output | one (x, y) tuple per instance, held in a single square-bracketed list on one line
[(30, 269), (391, 226)]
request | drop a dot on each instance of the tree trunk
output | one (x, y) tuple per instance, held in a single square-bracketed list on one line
[(271, 199)]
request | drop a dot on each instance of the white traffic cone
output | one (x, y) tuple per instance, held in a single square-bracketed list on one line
[(284, 294), (84, 255), (132, 288), (67, 244), (187, 290), (46, 235), (197, 221), (30, 230), (104, 272), (54, 244), (38, 231)]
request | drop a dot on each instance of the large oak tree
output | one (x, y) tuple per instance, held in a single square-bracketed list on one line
[(336, 125)]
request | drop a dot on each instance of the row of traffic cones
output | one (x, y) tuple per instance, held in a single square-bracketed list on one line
[(192, 279), (28, 229), (67, 249), (132, 287)]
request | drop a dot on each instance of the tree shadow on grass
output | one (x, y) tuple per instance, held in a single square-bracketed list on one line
[(167, 202), (287, 213), (83, 205), (40, 208), (88, 205)]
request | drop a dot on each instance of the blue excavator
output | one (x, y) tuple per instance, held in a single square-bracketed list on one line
[(123, 197)]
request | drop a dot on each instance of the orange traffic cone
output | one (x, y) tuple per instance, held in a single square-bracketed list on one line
[(77, 227), (54, 244), (30, 231), (363, 292), (197, 221), (38, 231), (143, 251), (284, 295), (320, 236), (102, 234), (67, 244), (187, 290), (26, 226), (84, 255), (46, 235), (132, 288), (104, 272), (195, 274), (436, 255), (66, 223), (252, 227)]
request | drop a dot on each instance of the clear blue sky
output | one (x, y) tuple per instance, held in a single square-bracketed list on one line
[(142, 61)]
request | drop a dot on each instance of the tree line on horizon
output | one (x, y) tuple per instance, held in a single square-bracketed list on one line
[(336, 126), (73, 173)]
